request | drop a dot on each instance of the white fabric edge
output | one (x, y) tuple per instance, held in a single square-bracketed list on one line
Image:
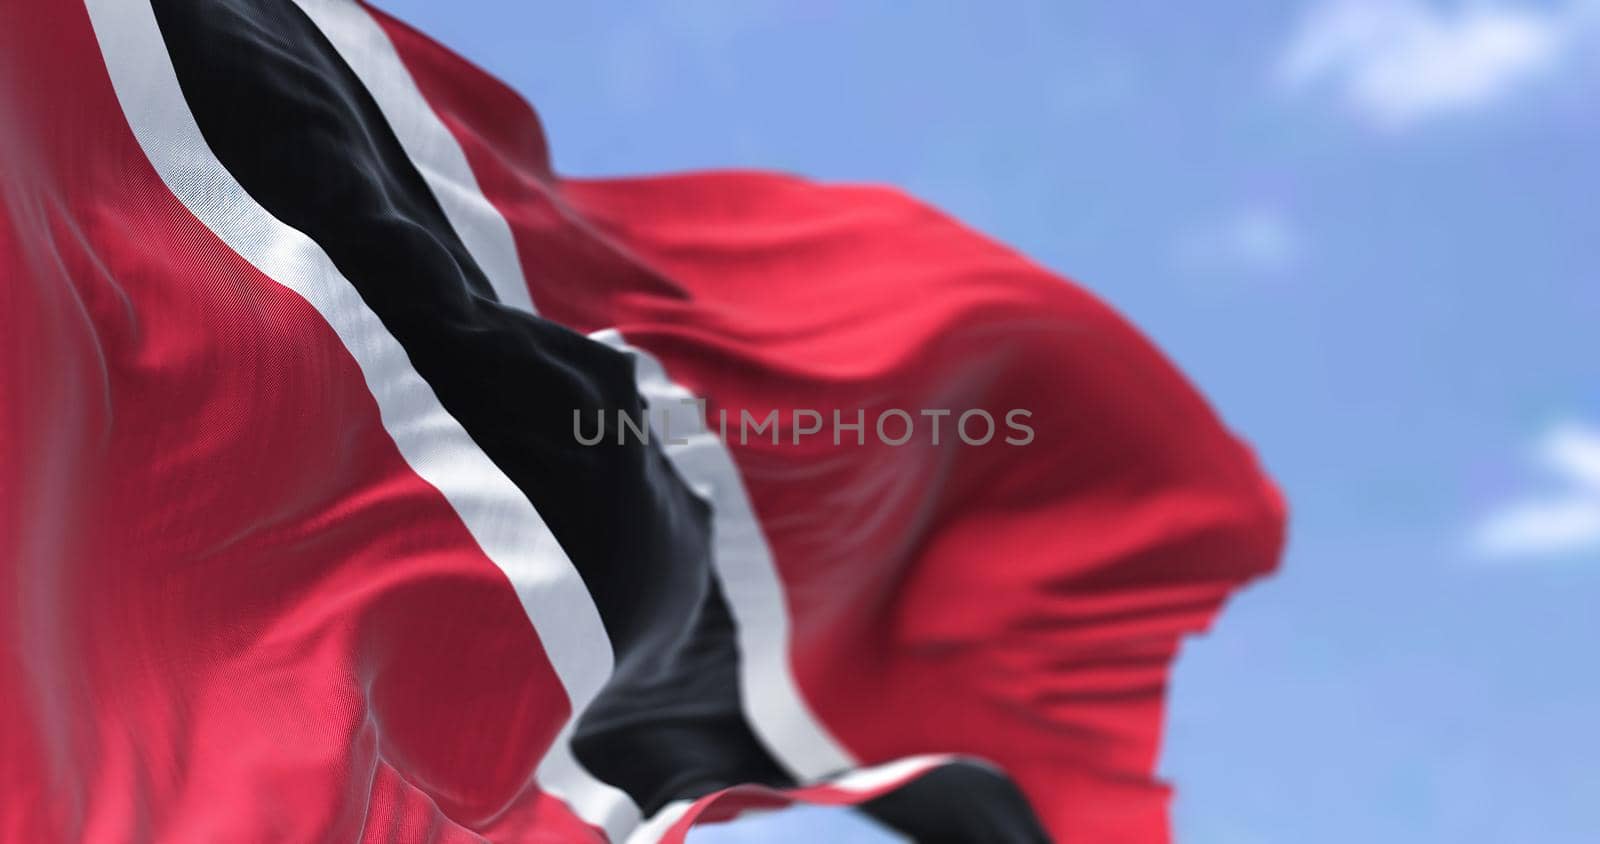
[(888, 776)]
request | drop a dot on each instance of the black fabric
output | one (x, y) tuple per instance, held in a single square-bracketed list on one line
[(295, 127), (959, 803)]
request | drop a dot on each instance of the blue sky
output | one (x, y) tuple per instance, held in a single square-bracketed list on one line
[(1368, 230)]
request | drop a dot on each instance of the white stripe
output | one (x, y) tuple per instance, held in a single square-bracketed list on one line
[(661, 822), (894, 773), (496, 513), (772, 699), (366, 48), (889, 775), (743, 561)]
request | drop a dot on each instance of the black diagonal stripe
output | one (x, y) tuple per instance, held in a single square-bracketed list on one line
[(959, 803), (295, 127)]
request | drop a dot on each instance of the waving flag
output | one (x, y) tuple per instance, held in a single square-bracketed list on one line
[(305, 539)]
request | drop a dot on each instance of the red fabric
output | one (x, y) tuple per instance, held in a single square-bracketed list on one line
[(238, 615), (233, 612), (1020, 604)]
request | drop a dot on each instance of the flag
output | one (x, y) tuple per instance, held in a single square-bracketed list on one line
[(364, 479)]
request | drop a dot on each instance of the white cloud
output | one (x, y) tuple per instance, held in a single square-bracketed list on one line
[(1258, 240), (1397, 62), (1574, 450), (1566, 521)]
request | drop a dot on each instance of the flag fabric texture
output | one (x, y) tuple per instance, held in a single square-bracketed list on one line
[(300, 541)]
